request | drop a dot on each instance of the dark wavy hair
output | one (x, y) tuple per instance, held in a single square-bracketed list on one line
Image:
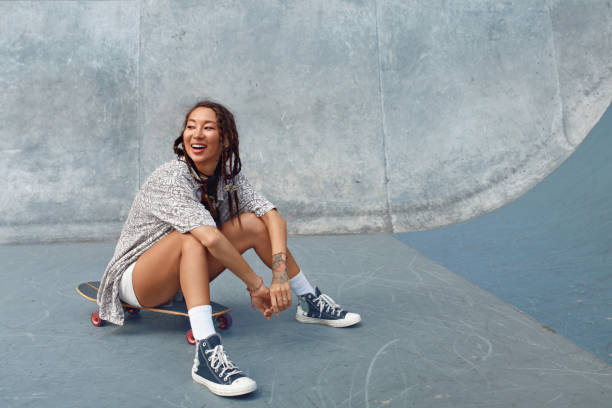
[(229, 165)]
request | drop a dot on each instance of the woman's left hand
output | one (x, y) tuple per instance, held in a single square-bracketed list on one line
[(280, 292)]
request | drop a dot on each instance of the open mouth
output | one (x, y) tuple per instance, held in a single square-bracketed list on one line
[(198, 148)]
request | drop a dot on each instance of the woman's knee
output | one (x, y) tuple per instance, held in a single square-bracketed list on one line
[(254, 226), (191, 245)]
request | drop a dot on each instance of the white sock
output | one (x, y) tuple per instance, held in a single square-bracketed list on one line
[(200, 318), (300, 285)]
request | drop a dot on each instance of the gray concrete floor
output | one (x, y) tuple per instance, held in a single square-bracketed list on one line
[(428, 339)]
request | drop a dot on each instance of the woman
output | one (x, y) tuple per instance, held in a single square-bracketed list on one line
[(193, 218)]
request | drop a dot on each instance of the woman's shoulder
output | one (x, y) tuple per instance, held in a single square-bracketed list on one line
[(175, 169), (175, 165)]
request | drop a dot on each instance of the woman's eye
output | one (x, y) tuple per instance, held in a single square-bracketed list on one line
[(190, 127)]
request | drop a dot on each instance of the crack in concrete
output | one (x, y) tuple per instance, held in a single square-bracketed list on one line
[(387, 218), (571, 145)]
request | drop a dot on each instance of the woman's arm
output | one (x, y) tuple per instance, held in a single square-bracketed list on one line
[(220, 247), (280, 290)]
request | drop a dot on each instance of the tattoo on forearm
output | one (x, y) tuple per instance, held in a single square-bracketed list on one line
[(279, 262), (279, 268)]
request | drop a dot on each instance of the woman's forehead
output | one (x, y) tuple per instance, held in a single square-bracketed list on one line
[(202, 114)]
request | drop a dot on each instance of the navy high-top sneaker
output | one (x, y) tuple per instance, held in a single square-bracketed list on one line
[(212, 368), (320, 308)]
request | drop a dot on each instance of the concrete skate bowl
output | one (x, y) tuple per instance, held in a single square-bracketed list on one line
[(371, 116)]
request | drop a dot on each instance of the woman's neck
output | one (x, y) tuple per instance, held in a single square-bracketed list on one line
[(207, 169)]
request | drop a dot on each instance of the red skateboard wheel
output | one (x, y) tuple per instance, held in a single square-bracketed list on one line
[(95, 319), (189, 337), (224, 322)]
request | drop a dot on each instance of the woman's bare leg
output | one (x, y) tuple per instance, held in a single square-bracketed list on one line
[(177, 260), (252, 234), (181, 261)]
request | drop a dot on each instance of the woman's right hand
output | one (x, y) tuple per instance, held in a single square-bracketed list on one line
[(261, 301)]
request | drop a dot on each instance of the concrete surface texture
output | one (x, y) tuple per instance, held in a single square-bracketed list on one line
[(355, 116), (428, 339), (549, 253)]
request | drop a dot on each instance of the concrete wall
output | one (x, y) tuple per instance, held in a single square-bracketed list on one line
[(355, 116)]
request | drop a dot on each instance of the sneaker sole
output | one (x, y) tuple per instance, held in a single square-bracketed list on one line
[(330, 323), (225, 390)]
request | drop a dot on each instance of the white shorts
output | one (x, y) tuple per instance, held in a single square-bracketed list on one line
[(126, 288)]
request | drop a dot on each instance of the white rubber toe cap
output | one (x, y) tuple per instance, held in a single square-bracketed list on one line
[(352, 318), (244, 385)]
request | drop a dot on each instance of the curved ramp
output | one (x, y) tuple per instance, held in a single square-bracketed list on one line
[(355, 116), (549, 253)]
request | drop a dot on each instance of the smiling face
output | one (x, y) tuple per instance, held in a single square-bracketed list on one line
[(201, 139)]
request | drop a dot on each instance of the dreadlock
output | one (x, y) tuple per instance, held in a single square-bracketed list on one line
[(229, 165)]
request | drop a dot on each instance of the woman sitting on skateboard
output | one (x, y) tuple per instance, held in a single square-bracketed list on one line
[(193, 218)]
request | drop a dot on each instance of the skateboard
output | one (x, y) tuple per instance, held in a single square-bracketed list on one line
[(177, 307)]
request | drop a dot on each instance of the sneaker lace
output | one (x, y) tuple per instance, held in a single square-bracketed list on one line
[(327, 303), (218, 358)]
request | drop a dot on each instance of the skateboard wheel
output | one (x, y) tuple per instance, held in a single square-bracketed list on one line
[(95, 319), (133, 311), (224, 322), (189, 337)]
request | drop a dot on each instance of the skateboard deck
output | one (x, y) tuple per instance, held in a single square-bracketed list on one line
[(177, 307)]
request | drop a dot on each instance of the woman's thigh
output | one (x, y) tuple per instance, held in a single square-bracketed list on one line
[(156, 273)]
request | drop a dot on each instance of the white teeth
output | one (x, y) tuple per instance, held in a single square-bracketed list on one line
[(198, 146)]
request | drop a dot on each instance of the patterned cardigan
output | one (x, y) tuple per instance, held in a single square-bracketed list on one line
[(169, 200)]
